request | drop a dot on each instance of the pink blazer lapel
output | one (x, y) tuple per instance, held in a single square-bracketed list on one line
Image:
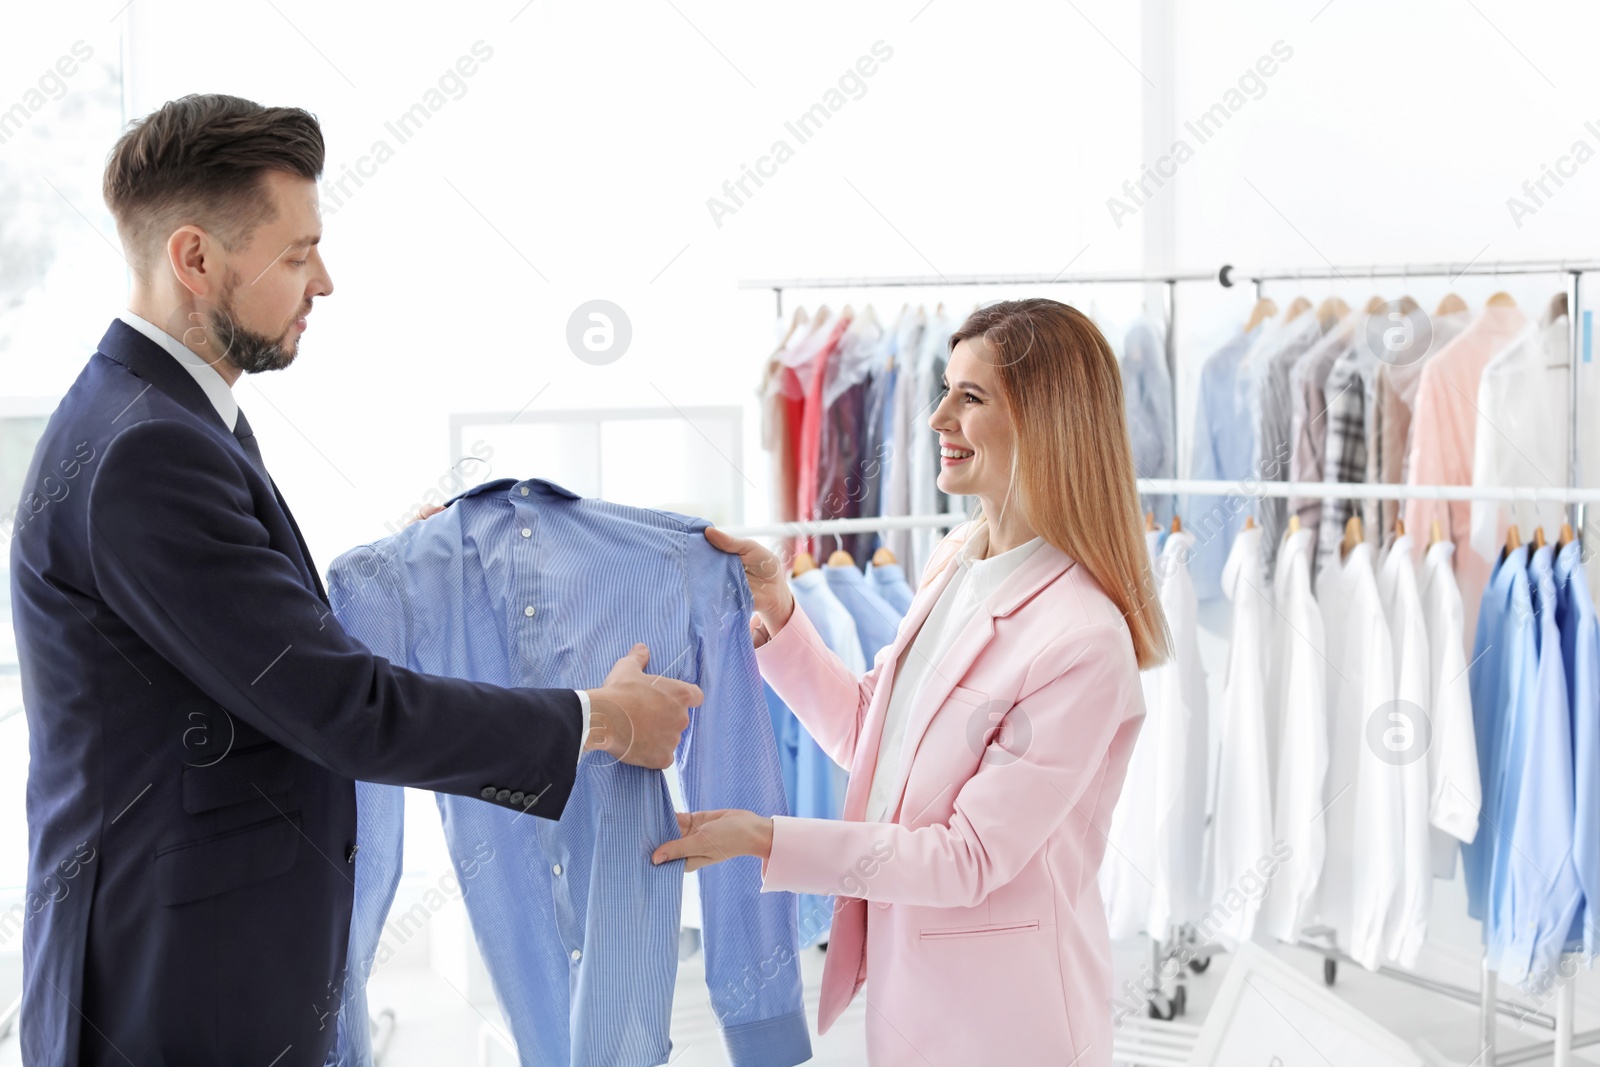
[(1043, 567)]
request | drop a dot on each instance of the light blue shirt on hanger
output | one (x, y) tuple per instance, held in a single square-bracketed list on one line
[(527, 584)]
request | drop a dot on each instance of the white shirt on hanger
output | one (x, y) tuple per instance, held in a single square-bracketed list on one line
[(1241, 826), (1299, 694), (1406, 735), (1127, 871), (1361, 874), (1182, 748), (975, 579), (1456, 792)]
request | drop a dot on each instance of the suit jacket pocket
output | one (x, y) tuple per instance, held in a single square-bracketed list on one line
[(238, 777), (980, 931), (198, 869)]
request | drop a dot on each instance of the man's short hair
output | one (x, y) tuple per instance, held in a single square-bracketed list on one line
[(200, 160)]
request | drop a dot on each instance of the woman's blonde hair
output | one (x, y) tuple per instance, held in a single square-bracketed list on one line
[(1072, 465)]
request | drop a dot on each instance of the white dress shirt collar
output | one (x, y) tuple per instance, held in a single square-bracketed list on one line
[(216, 387)]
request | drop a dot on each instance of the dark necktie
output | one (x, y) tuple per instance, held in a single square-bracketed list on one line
[(247, 439)]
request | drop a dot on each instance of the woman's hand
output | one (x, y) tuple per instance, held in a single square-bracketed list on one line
[(769, 586), (713, 836)]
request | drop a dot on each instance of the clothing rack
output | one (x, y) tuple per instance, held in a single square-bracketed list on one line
[(1227, 276)]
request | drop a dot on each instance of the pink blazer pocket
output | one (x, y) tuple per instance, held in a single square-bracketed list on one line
[(986, 930)]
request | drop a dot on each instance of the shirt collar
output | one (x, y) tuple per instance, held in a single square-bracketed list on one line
[(209, 378)]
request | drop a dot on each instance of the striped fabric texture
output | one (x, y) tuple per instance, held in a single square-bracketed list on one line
[(523, 583)]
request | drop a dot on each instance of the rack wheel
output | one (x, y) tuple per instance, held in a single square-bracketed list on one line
[(1167, 1014), (1180, 1002), (1330, 971), (1199, 966)]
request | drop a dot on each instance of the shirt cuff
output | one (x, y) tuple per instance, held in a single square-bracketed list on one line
[(583, 736)]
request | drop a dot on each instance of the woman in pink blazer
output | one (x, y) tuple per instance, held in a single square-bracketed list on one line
[(988, 744)]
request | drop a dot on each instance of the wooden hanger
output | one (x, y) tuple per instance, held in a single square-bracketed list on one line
[(1177, 523), (803, 562), (1249, 522), (1149, 521), (840, 558), (1436, 534), (1297, 307), (1558, 308), (1353, 535), (1375, 305), (1294, 523), (1502, 299), (799, 319), (883, 557), (1513, 539), (1450, 305), (1538, 537), (1566, 534), (1263, 310), (1399, 528), (1332, 310)]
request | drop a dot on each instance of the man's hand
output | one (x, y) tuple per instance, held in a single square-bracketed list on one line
[(638, 717), (713, 836)]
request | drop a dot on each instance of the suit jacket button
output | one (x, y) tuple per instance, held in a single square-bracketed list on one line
[(350, 853), (487, 792), (516, 798), (503, 796)]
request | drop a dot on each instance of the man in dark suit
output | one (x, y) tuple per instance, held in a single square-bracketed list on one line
[(197, 717)]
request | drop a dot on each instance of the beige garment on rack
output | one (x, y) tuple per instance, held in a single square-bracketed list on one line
[(1397, 395), (1443, 436)]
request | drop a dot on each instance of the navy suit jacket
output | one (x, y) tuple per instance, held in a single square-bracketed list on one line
[(197, 719)]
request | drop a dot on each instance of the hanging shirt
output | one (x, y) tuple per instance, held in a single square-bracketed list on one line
[(902, 421), (814, 375), (1443, 440), (1396, 395), (1224, 449), (842, 449), (888, 580), (1127, 868), (1403, 742), (1241, 824), (1580, 654), (1455, 790), (1182, 743), (876, 621), (974, 580), (1501, 670), (526, 584), (1147, 401), (1363, 869), (1308, 420), (1522, 434), (1540, 894), (1298, 694), (819, 782), (1275, 423)]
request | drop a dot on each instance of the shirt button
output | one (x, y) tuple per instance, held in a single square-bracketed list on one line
[(576, 955), (528, 611), (526, 532), (503, 796), (524, 490), (487, 792), (556, 869)]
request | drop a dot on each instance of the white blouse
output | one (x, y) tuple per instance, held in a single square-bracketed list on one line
[(974, 581)]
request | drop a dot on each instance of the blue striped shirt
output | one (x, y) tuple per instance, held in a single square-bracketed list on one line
[(526, 584)]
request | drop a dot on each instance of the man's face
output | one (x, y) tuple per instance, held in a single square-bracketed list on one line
[(258, 317)]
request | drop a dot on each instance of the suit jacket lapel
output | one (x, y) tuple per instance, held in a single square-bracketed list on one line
[(154, 364)]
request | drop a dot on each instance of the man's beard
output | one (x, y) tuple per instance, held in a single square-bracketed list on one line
[(251, 352)]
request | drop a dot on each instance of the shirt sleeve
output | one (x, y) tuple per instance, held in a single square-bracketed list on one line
[(1088, 713), (729, 759), (186, 562)]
